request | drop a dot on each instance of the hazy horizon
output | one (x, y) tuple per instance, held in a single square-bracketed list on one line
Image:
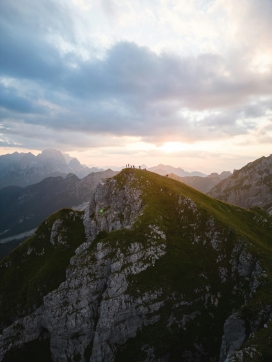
[(113, 166), (183, 83)]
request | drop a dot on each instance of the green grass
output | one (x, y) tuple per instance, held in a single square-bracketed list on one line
[(262, 342), (25, 279), (178, 274), (179, 269)]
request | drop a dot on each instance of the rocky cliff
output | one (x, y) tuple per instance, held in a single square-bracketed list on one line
[(248, 187), (157, 272)]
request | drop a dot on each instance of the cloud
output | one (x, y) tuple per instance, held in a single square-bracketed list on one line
[(131, 90), (41, 137), (261, 135)]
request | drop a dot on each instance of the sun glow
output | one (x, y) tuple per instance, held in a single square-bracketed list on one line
[(173, 147), (262, 63)]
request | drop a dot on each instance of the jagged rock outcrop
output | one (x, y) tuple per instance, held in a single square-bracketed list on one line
[(110, 210), (248, 187), (237, 331), (159, 276), (234, 336)]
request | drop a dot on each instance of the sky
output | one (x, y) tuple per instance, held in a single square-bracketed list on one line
[(186, 83)]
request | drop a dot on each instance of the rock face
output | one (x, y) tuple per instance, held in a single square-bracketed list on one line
[(234, 336), (248, 187), (203, 184), (155, 278), (111, 206)]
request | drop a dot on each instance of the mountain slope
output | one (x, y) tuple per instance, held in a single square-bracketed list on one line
[(42, 260), (248, 187), (203, 184), (9, 159), (164, 273), (22, 209)]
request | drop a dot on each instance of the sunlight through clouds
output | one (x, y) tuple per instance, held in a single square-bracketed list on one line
[(150, 79), (169, 147)]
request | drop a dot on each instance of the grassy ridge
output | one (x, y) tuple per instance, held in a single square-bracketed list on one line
[(178, 271), (187, 272), (244, 223)]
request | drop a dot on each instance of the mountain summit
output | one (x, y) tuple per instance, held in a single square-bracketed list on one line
[(23, 169), (152, 271)]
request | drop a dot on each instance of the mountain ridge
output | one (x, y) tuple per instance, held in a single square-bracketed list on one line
[(203, 184), (165, 169), (162, 273), (248, 187), (25, 169)]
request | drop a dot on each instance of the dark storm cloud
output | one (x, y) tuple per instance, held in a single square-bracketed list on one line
[(132, 91)]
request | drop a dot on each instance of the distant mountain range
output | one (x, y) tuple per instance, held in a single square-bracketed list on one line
[(162, 170), (166, 169), (23, 169), (22, 209), (203, 184), (248, 187)]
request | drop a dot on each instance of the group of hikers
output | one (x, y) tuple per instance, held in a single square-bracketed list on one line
[(132, 166)]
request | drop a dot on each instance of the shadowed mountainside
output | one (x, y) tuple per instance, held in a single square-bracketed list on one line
[(161, 272), (22, 209), (203, 184), (248, 187)]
